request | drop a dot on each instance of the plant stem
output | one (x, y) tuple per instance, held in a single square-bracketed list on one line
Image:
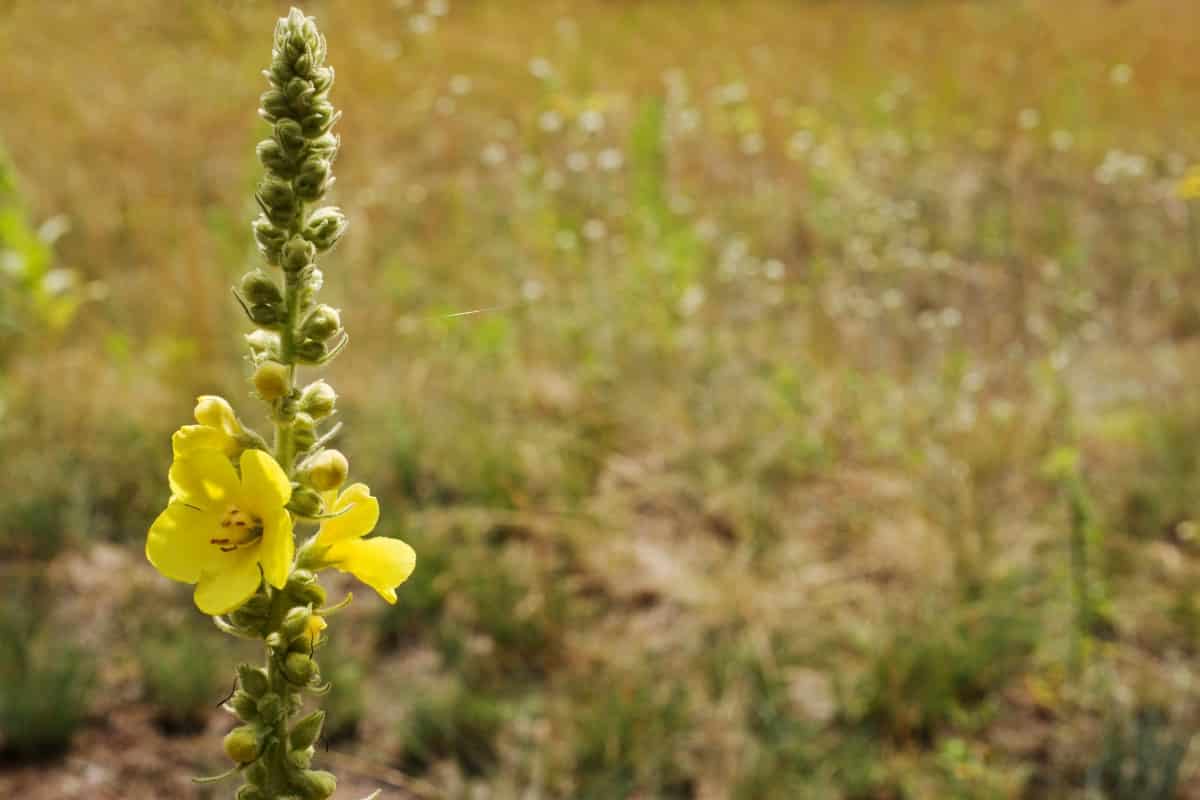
[(275, 761), (285, 446)]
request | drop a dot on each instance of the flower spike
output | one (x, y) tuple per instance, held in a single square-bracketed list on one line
[(229, 525)]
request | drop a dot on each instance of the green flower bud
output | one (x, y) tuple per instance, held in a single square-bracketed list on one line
[(280, 71), (245, 706), (296, 621), (288, 26), (298, 90), (324, 227), (307, 731), (318, 400), (322, 78), (273, 157), (253, 680), (327, 470), (311, 351), (306, 642), (277, 199), (301, 49), (314, 179), (320, 120), (290, 136), (258, 289), (269, 237), (248, 622), (306, 502), (300, 668), (299, 579), (272, 380), (241, 744), (314, 42), (316, 785), (303, 588), (321, 323), (289, 37), (322, 108), (273, 105), (314, 594), (297, 254), (281, 215), (324, 146), (252, 615), (267, 315)]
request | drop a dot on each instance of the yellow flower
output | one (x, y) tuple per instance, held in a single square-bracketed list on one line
[(316, 624), (382, 563), (224, 533), (219, 429), (1188, 187)]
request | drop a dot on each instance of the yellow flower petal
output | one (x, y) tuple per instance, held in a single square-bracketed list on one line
[(215, 412), (203, 478), (360, 517), (382, 563), (316, 624), (191, 438), (278, 547), (264, 483), (222, 591), (178, 544)]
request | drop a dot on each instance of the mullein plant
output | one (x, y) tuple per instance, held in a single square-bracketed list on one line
[(237, 503)]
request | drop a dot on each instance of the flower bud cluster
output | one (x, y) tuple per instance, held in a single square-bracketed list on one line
[(294, 328), (299, 155), (254, 618), (320, 469), (275, 757)]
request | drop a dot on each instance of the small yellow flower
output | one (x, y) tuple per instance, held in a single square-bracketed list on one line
[(219, 429), (224, 533), (316, 624), (1188, 187), (382, 563)]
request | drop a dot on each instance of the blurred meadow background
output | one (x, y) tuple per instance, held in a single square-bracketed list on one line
[(827, 427)]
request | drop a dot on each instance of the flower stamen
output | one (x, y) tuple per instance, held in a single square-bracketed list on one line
[(248, 527)]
